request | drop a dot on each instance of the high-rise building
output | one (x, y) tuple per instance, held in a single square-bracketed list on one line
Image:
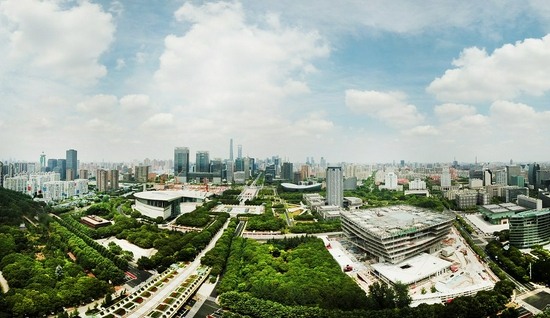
[(61, 168), (229, 171), (216, 167), (532, 174), (246, 168), (202, 161), (141, 174), (239, 164), (43, 162), (500, 177), (72, 161), (512, 170), (287, 171), (231, 149), (52, 163), (83, 174), (240, 152), (445, 179), (69, 174), (181, 163), (335, 186), (113, 179), (101, 180), (1, 174)]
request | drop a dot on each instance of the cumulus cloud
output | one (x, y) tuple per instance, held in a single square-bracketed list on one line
[(100, 105), (427, 130), (391, 108), (49, 41), (520, 117), (512, 70), (160, 120), (222, 62), (449, 112), (135, 102)]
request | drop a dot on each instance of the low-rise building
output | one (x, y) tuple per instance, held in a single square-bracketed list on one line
[(530, 228)]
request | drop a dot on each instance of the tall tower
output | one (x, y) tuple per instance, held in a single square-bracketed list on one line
[(181, 163), (101, 180), (72, 163), (231, 149), (335, 186), (202, 162), (43, 162), (240, 151)]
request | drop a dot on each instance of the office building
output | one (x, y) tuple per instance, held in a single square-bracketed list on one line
[(43, 162), (511, 171), (141, 174), (286, 173), (532, 174), (113, 179), (530, 203), (246, 168), (102, 180), (239, 152), (202, 162), (530, 228), (501, 177), (229, 168), (335, 186), (543, 179), (445, 180), (396, 233), (61, 168), (239, 165), (231, 149), (72, 162), (517, 181), (52, 163), (181, 164)]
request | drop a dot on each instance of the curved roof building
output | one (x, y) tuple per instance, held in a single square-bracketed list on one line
[(167, 203), (301, 187)]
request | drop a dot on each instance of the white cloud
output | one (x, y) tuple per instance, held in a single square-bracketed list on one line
[(449, 112), (427, 130), (99, 105), (222, 62), (135, 102), (510, 71), (518, 117), (120, 64), (48, 41), (160, 120), (391, 107)]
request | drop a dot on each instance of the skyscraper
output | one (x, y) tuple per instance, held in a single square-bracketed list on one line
[(181, 163), (113, 179), (240, 151), (202, 162), (43, 161), (229, 171), (287, 171), (101, 180), (61, 168), (335, 186), (512, 170), (231, 149), (72, 162)]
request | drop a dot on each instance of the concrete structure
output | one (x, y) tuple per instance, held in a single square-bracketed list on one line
[(396, 233), (314, 200), (287, 170), (412, 270), (476, 183), (102, 180), (329, 212), (167, 204), (530, 228), (466, 199), (202, 161), (511, 193), (352, 203), (61, 190), (529, 203), (335, 186), (445, 180), (113, 179), (83, 174), (229, 170), (501, 178), (417, 184), (141, 173)]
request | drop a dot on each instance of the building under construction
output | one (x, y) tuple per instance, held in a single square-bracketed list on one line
[(393, 234)]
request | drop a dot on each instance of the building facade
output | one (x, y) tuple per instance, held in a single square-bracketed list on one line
[(72, 162), (181, 164), (530, 228), (335, 186)]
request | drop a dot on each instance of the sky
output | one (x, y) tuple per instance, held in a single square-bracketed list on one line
[(351, 81)]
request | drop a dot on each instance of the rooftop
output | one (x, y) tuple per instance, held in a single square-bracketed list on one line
[(169, 195), (395, 219), (413, 269)]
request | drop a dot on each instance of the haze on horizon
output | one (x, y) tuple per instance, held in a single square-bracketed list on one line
[(357, 81)]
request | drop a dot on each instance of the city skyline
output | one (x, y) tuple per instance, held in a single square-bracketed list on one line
[(364, 81)]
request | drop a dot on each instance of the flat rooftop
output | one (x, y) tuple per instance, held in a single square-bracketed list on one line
[(413, 269), (503, 208), (393, 219)]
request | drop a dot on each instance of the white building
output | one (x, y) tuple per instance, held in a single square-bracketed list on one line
[(335, 186), (417, 184), (60, 190)]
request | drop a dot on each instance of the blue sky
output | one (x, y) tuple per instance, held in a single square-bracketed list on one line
[(357, 81)]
